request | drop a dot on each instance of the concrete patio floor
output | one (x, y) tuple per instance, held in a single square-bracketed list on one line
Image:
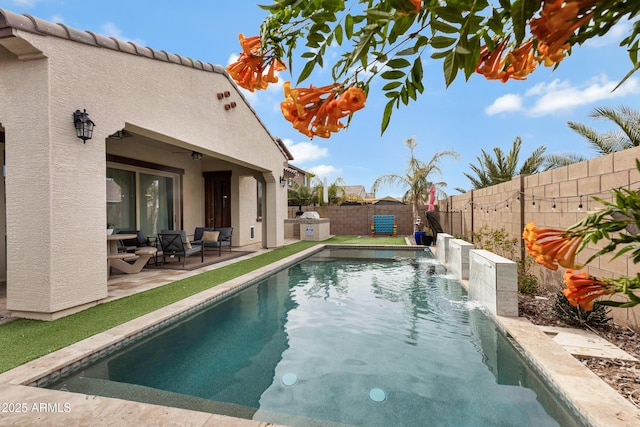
[(597, 403)]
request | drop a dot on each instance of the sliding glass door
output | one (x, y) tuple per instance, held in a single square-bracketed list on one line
[(156, 203), (139, 200)]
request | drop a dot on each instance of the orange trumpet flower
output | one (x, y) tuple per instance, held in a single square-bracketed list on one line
[(517, 64), (582, 289), (249, 70), (551, 247), (521, 61), (316, 111), (557, 23), (491, 64)]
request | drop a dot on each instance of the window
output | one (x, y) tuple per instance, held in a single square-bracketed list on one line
[(156, 205), (259, 200), (147, 200)]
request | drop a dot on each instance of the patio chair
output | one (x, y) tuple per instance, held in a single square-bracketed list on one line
[(175, 244), (213, 237), (131, 245), (225, 237)]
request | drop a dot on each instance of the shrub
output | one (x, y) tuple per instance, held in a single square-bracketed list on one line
[(579, 317)]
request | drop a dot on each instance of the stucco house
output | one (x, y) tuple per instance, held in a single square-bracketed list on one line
[(175, 146)]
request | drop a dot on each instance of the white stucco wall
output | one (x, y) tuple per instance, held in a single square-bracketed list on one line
[(55, 184)]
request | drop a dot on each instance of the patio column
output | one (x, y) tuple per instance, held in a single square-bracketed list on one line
[(275, 199)]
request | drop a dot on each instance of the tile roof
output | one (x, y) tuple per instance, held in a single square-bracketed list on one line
[(11, 21)]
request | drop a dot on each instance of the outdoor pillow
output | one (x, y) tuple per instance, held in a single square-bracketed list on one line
[(210, 236), (188, 243)]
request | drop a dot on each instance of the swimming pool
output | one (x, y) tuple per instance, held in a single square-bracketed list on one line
[(359, 337)]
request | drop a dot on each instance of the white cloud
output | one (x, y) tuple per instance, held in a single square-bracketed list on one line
[(563, 96), (57, 18), (304, 152), (505, 104), (109, 29), (26, 3), (612, 37), (325, 171)]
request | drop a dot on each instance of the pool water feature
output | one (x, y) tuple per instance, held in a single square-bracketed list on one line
[(355, 337)]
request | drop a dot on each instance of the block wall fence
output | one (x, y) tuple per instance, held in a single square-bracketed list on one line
[(555, 198)]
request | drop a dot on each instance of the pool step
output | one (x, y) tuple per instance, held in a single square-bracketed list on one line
[(139, 393)]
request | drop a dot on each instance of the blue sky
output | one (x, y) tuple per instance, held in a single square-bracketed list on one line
[(466, 117)]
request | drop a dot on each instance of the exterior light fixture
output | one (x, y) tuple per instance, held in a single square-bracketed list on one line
[(84, 125), (283, 182), (196, 156)]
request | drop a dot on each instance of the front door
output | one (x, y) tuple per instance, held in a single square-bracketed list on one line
[(217, 199)]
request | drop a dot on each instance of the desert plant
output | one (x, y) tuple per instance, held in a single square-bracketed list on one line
[(527, 282), (597, 318)]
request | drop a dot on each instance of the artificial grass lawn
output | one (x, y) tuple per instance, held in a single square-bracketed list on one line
[(23, 340)]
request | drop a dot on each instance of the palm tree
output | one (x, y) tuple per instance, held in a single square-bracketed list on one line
[(628, 136), (335, 192), (552, 161), (492, 170), (302, 195), (416, 178)]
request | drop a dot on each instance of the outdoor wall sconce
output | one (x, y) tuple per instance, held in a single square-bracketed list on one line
[(224, 94), (229, 106), (196, 156), (283, 182), (84, 125)]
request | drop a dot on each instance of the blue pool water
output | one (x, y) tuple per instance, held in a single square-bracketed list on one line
[(345, 337)]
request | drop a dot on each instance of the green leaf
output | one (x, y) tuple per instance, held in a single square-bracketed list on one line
[(386, 116), (408, 51), (306, 71), (417, 70), (443, 27), (440, 42), (348, 26), (390, 86), (400, 28), (374, 13), (337, 32), (440, 55), (315, 39), (450, 68), (361, 49), (411, 91), (398, 63), (462, 50), (518, 19), (449, 14), (392, 75)]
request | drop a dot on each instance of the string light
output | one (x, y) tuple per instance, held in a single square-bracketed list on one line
[(554, 201)]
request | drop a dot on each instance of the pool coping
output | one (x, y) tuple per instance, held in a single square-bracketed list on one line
[(596, 402)]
